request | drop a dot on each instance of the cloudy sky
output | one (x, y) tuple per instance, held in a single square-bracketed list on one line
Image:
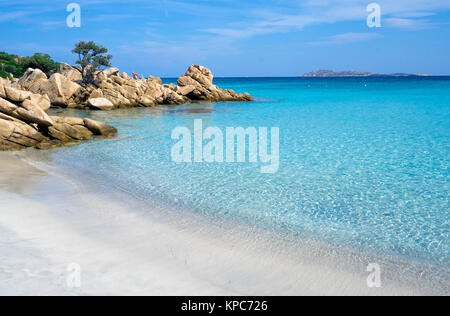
[(238, 37)]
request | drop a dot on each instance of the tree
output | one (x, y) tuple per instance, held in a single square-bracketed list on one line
[(10, 64), (40, 61), (17, 65), (91, 57)]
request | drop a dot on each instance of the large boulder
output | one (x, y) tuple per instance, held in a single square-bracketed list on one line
[(68, 120), (15, 134), (42, 101), (4, 82), (197, 84), (30, 112), (111, 71), (59, 89), (70, 129), (30, 77), (203, 76), (7, 107), (2, 91), (71, 73), (77, 132), (171, 97), (99, 128), (185, 90), (154, 80), (16, 95), (22, 105), (100, 104), (24, 124), (19, 95)]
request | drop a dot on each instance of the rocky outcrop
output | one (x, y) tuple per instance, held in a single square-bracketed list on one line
[(197, 84), (4, 82), (20, 105), (24, 102), (61, 90), (99, 128), (111, 90), (71, 73), (111, 72), (123, 91), (30, 77), (24, 123), (16, 134), (100, 104)]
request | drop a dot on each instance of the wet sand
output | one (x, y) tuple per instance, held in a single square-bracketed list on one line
[(50, 223)]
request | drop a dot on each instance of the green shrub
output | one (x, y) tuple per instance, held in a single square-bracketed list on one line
[(40, 61), (10, 64), (4, 74), (18, 65)]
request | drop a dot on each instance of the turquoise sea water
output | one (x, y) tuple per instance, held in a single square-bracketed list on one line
[(363, 162)]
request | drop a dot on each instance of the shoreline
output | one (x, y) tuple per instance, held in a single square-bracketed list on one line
[(125, 246)]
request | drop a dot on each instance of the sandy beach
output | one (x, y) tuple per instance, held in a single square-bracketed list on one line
[(49, 222)]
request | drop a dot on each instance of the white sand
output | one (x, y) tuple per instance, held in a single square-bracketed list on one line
[(48, 222)]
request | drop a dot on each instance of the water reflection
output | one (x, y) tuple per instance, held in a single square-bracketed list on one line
[(136, 113)]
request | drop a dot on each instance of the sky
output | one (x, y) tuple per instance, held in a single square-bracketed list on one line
[(238, 38)]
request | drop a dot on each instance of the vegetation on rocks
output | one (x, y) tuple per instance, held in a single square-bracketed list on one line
[(91, 58), (40, 61), (17, 65), (9, 64), (44, 83)]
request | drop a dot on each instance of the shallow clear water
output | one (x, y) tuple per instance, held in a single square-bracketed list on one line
[(363, 162)]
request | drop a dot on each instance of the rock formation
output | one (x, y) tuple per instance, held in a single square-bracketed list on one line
[(71, 73), (197, 84), (60, 90), (24, 122), (110, 90), (24, 102)]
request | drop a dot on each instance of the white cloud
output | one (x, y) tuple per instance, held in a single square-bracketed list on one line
[(409, 24), (399, 14), (12, 16)]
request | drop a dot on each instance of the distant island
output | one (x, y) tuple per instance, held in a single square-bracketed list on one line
[(353, 73)]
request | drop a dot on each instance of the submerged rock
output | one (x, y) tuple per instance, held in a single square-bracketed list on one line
[(99, 128)]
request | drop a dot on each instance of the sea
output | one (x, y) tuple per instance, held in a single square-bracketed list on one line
[(363, 162)]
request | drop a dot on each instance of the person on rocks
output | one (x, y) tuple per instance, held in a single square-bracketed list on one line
[(136, 76)]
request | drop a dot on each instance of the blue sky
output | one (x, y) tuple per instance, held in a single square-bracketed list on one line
[(238, 37)]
